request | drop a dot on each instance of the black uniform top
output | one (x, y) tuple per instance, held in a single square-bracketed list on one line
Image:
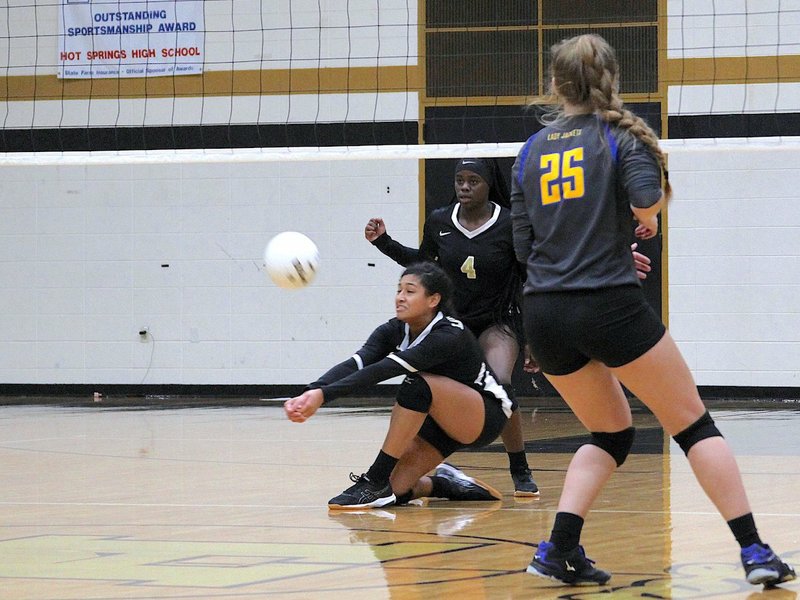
[(572, 186), (481, 263), (445, 347)]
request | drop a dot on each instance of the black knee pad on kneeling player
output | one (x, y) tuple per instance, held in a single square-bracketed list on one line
[(701, 429), (617, 444), (415, 394)]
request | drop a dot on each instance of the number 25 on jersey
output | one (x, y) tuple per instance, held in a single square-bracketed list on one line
[(562, 176)]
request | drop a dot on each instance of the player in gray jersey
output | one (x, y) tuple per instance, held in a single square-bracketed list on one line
[(449, 399), (577, 185)]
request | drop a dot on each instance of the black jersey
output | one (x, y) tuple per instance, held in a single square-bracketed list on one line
[(481, 263), (444, 348), (572, 186)]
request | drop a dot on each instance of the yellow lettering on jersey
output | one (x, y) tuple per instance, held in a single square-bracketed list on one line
[(562, 177), (548, 182), (563, 135), (573, 175), (468, 268)]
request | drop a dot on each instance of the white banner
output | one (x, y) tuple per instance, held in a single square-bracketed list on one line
[(121, 38)]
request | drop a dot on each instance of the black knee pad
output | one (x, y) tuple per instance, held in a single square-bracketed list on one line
[(701, 429), (415, 394), (617, 444)]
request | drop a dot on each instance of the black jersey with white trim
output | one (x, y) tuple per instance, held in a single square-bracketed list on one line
[(573, 185), (445, 347), (481, 263)]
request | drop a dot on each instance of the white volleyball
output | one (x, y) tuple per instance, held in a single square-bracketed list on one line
[(291, 260)]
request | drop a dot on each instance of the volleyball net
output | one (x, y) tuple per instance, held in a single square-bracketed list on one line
[(183, 75)]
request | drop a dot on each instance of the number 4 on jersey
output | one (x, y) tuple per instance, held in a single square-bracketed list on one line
[(468, 268)]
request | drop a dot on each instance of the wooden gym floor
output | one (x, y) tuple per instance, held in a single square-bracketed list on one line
[(112, 502)]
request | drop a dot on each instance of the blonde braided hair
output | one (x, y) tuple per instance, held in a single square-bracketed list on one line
[(585, 73)]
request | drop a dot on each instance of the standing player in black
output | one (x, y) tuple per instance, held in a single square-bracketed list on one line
[(471, 239), (576, 186), (449, 399)]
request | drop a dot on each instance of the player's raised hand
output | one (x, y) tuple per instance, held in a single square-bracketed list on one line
[(375, 228), (300, 408)]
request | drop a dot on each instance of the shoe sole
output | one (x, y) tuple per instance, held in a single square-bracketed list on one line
[(461, 475), (534, 571), (388, 500), (523, 494), (767, 577)]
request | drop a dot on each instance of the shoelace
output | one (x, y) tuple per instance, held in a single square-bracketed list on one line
[(356, 478)]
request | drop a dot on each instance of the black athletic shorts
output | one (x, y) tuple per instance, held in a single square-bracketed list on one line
[(512, 323), (493, 422), (566, 330)]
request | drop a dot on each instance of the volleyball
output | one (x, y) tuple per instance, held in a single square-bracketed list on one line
[(291, 260)]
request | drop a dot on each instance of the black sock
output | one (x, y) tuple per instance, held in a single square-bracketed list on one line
[(744, 530), (566, 533), (381, 469), (517, 461)]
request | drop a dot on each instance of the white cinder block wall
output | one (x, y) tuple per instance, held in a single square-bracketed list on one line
[(82, 264), (734, 263), (734, 225), (83, 247)]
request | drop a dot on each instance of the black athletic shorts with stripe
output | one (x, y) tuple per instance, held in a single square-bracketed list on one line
[(566, 330)]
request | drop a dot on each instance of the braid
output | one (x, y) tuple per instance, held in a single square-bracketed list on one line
[(585, 73), (615, 113)]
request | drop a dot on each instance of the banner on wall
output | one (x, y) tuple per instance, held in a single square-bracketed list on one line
[(101, 38)]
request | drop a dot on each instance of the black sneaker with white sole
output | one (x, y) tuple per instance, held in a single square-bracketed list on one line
[(524, 485), (363, 494), (454, 484)]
